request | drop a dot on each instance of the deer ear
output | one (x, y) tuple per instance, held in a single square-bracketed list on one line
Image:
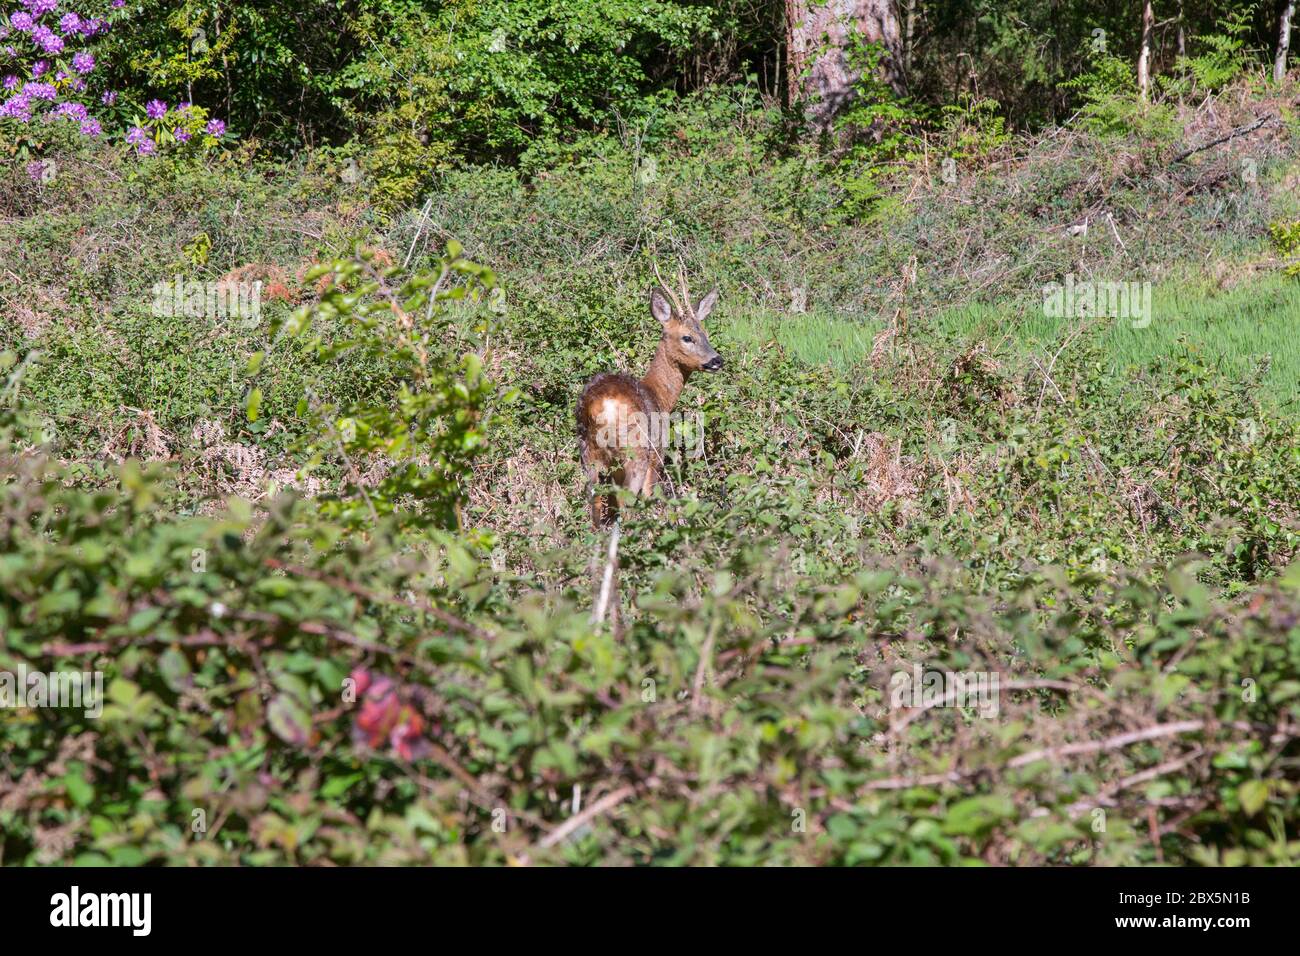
[(706, 306), (659, 306)]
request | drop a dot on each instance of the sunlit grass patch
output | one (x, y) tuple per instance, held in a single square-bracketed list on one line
[(816, 338)]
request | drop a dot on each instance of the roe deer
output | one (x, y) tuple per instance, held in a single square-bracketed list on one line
[(620, 418)]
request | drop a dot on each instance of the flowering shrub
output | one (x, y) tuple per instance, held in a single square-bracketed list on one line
[(47, 68), (183, 124)]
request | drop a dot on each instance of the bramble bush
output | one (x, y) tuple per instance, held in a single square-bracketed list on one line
[(312, 688)]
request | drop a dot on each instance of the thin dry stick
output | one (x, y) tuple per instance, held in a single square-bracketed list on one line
[(607, 802), (607, 582), (953, 695), (1110, 743), (1107, 794), (419, 228)]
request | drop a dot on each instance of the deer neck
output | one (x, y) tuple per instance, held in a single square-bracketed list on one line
[(665, 379)]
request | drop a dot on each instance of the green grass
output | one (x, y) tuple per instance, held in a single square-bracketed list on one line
[(1251, 330), (815, 338), (1248, 330)]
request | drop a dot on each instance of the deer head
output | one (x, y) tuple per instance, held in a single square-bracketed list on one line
[(685, 342)]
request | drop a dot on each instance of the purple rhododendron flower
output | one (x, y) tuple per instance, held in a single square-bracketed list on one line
[(39, 67), (91, 128), (118, 4), (40, 91), (109, 98), (41, 7), (11, 82), (83, 62), (50, 41), (155, 109), (76, 111), (17, 107), (141, 140), (216, 127), (69, 23), (182, 134), (22, 21)]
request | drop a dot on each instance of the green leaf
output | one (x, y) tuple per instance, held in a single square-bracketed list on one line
[(79, 789), (288, 719), (254, 405), (1253, 795), (174, 667), (976, 815)]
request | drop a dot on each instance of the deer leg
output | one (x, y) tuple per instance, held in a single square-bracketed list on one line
[(648, 482), (640, 476), (600, 506)]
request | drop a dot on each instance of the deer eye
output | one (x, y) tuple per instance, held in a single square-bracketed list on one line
[(687, 338)]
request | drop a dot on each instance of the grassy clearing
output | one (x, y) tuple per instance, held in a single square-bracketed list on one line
[(1249, 331)]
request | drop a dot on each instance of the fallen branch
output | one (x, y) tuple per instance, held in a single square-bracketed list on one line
[(1231, 134)]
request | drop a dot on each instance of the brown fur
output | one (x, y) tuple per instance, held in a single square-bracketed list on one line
[(615, 409)]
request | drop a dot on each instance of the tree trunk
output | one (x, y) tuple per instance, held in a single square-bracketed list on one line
[(1144, 58), (1182, 31), (909, 36), (817, 34), (1286, 10)]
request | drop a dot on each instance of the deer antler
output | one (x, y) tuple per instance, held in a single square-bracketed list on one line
[(681, 310), (686, 292)]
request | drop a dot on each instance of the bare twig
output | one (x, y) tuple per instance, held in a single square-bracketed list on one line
[(1046, 753), (607, 802)]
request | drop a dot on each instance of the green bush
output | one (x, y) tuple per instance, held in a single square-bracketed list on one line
[(314, 681)]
